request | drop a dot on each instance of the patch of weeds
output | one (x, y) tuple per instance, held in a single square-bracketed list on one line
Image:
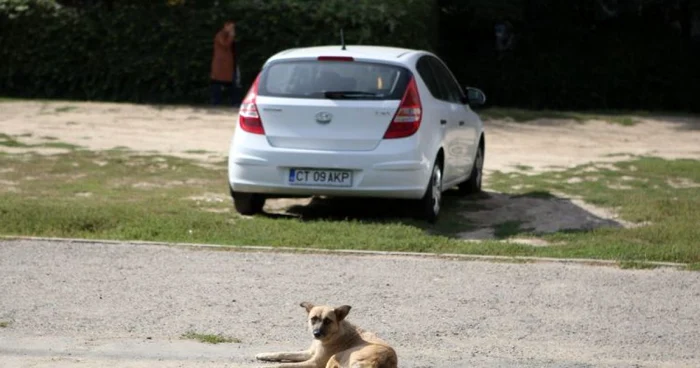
[(9, 99), (524, 167), (508, 229), (59, 145), (49, 138), (637, 265), (65, 109), (622, 120), (24, 135), (4, 324), (209, 338), (693, 267), (197, 152), (8, 141)]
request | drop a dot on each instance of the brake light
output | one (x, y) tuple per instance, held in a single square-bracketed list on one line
[(335, 58), (248, 116), (408, 117)]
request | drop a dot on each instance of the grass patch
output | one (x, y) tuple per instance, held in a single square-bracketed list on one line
[(122, 195), (60, 145), (210, 339), (9, 99), (508, 229), (693, 267), (671, 214), (198, 152), (523, 167), (8, 141), (626, 118), (4, 324), (65, 109)]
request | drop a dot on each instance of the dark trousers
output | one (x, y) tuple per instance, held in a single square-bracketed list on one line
[(219, 88)]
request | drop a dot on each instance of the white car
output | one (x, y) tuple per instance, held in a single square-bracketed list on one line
[(360, 121)]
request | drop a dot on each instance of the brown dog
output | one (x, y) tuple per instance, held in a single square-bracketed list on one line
[(337, 344)]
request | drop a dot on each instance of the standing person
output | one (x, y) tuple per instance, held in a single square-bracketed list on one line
[(223, 64)]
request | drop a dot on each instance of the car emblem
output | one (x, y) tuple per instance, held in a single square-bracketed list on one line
[(324, 117)]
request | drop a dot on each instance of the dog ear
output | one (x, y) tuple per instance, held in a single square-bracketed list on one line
[(342, 312), (308, 306)]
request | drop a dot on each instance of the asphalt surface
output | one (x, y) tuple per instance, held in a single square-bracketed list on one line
[(126, 305)]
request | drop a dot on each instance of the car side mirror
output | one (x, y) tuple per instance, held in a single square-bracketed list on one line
[(475, 96)]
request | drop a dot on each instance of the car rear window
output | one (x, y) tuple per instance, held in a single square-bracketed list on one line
[(334, 79)]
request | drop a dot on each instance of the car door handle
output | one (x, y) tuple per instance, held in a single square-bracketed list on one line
[(443, 122), (461, 123)]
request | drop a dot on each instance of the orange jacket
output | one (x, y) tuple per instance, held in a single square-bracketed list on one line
[(222, 65)]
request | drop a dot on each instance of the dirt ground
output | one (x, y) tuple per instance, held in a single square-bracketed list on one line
[(205, 133)]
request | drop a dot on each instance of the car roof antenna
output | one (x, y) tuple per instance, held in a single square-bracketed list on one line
[(342, 40)]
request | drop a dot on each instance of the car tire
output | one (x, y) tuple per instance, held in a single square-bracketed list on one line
[(431, 203), (248, 204), (473, 184)]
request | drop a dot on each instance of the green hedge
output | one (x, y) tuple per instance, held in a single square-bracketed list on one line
[(150, 52), (565, 57)]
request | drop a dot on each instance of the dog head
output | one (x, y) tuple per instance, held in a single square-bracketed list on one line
[(324, 321)]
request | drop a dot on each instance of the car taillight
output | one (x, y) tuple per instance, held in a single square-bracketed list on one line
[(248, 116), (408, 117)]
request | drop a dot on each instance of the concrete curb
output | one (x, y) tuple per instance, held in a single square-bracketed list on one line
[(450, 256)]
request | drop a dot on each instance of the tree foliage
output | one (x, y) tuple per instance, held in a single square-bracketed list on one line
[(161, 52), (577, 54)]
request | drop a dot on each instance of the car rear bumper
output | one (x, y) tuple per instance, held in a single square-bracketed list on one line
[(395, 169)]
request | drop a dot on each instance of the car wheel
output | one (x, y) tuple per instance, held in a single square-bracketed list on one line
[(431, 202), (473, 184), (248, 204)]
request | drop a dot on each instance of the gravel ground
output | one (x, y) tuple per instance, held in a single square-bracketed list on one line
[(126, 305)]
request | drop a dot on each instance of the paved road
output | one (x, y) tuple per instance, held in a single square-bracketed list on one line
[(126, 305)]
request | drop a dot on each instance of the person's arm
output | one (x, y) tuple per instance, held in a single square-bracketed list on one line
[(223, 39)]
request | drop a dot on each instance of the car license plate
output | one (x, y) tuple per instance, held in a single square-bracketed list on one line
[(320, 177)]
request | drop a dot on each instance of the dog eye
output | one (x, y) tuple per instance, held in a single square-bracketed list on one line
[(314, 319), (326, 320)]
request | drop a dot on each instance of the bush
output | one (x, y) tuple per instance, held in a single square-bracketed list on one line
[(159, 53), (568, 56)]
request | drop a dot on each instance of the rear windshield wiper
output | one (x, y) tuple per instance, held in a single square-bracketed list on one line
[(350, 94)]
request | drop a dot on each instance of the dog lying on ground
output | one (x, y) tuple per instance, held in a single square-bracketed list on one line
[(337, 344)]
